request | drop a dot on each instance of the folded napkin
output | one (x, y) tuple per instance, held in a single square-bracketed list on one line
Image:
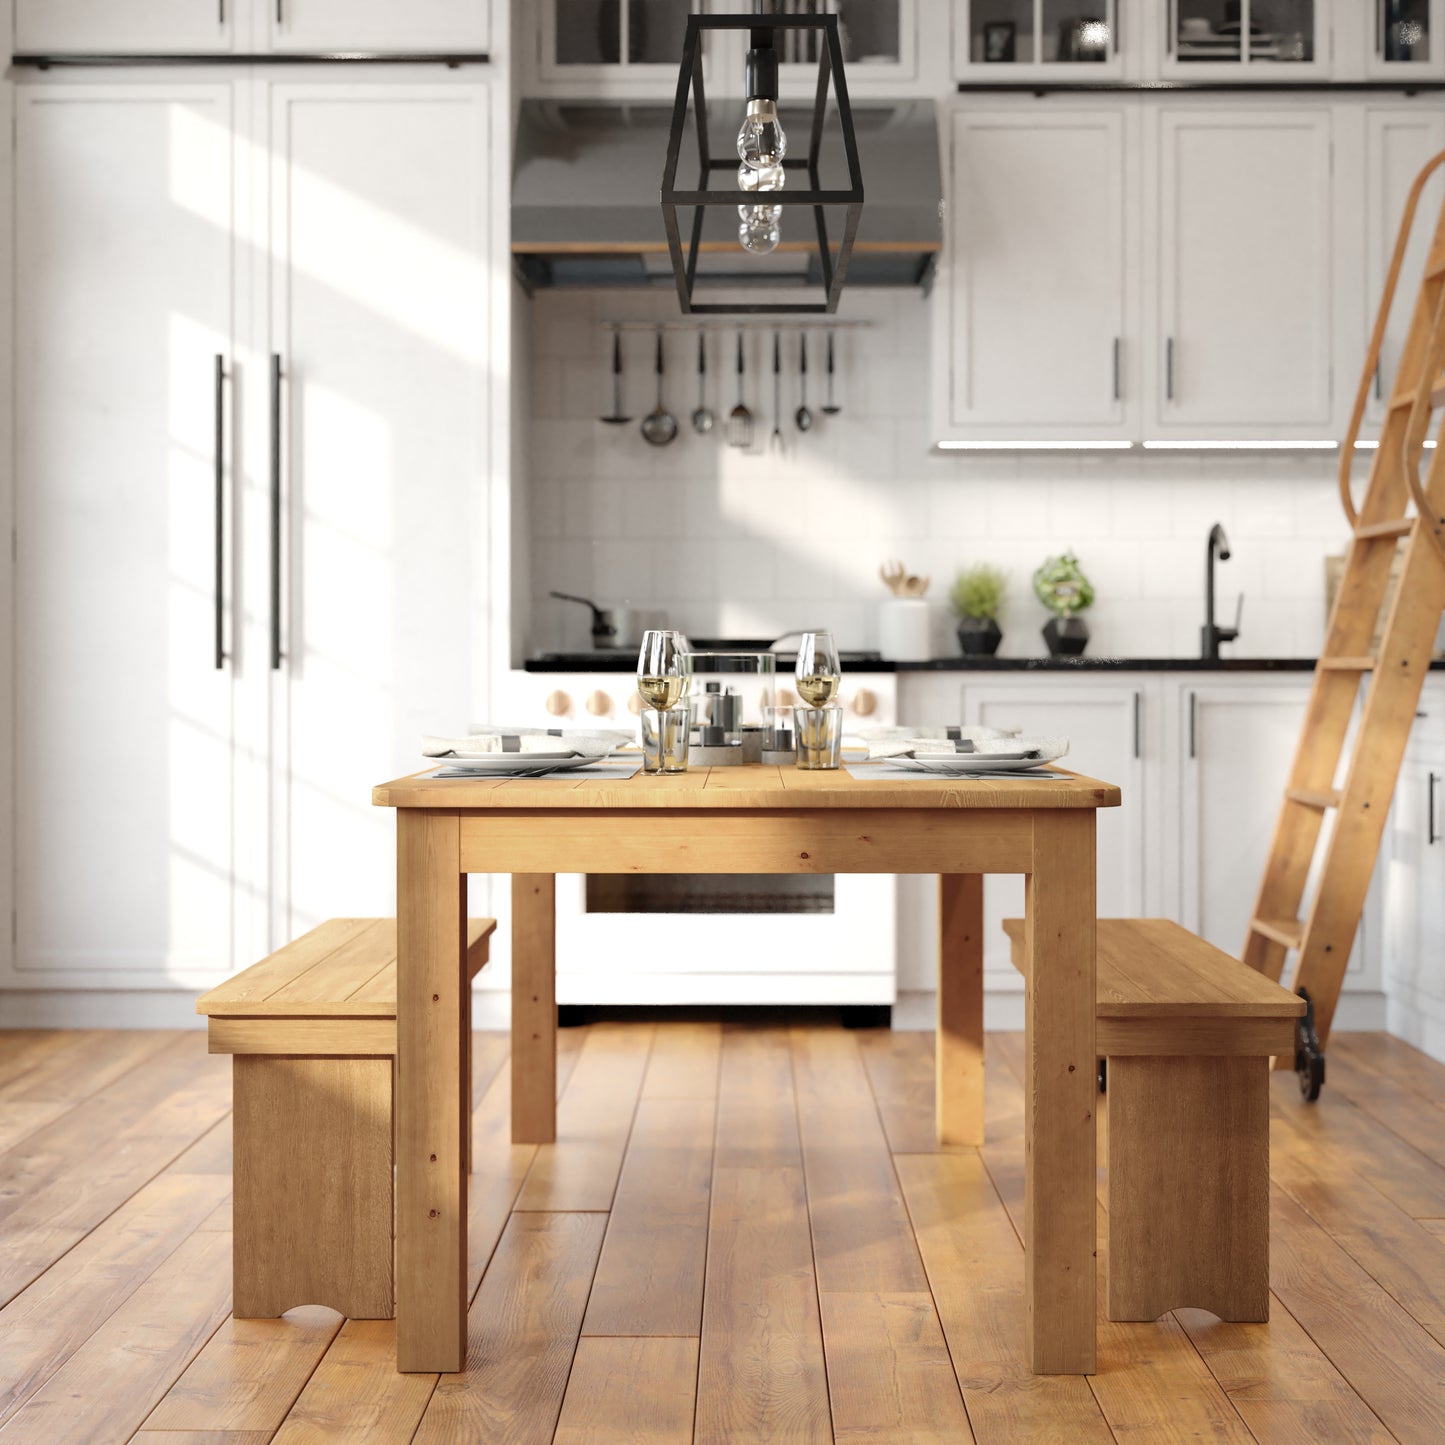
[(953, 733), (923, 746), (554, 741)]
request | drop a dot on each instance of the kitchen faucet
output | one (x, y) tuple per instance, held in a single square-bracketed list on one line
[(1211, 635)]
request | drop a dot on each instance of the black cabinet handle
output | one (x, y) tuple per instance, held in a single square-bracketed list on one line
[(275, 513), (280, 17), (1138, 724), (219, 478), (1378, 390), (1169, 369), (1193, 725), (1118, 393), (1432, 835), (1172, 24)]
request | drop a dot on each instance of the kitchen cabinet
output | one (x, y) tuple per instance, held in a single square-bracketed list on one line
[(1269, 41), (1414, 884), (1052, 40), (1106, 727), (606, 47), (132, 773), (417, 25), (307, 276), (1241, 313), (207, 26), (1041, 318), (1399, 140), (146, 26), (1404, 39)]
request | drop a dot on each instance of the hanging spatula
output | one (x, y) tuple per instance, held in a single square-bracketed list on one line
[(740, 419)]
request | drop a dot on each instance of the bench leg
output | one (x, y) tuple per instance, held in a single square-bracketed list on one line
[(958, 1066), (534, 1008), (1188, 1187), (312, 1185)]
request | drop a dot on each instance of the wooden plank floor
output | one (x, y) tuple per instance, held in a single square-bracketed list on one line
[(742, 1234)]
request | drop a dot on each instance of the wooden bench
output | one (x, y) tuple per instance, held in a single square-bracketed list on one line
[(1187, 1033), (313, 1032)]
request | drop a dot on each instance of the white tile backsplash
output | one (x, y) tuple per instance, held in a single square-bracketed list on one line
[(764, 541)]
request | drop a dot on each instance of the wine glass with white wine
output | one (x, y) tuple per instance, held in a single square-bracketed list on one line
[(818, 671), (663, 669)]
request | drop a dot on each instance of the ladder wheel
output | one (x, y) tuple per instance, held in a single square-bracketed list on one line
[(1309, 1057)]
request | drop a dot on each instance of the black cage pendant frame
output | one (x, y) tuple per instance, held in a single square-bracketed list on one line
[(830, 69)]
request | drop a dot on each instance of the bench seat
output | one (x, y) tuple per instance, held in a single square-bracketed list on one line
[(313, 1032), (1187, 1032)]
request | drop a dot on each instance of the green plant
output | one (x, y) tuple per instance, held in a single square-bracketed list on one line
[(978, 591), (1061, 586)]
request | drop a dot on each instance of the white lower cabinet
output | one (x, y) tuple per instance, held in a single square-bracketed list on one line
[(197, 728)]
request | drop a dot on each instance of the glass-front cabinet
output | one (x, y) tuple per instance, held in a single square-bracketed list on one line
[(880, 39), (602, 45), (1266, 40), (1406, 38), (1065, 40)]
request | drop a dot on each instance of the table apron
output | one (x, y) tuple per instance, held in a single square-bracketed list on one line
[(808, 840)]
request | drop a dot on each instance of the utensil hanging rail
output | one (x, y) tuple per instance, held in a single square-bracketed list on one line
[(451, 59), (731, 326)]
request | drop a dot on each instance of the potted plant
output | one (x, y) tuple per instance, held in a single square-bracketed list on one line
[(977, 597), (1061, 586)]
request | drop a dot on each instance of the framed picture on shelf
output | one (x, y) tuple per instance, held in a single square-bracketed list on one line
[(998, 42)]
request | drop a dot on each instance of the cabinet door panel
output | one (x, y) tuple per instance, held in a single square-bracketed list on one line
[(1102, 725), (1041, 310), (382, 315), (125, 728), (1399, 141), (385, 25), (1245, 332), (104, 26)]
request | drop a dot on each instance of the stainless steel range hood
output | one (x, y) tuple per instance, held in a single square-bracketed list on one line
[(585, 207)]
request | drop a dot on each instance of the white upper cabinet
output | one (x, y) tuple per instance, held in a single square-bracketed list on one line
[(385, 25), (1004, 40), (131, 869), (225, 26), (147, 26), (1037, 314), (608, 47), (1241, 315), (1404, 38), (1269, 41), (1399, 139)]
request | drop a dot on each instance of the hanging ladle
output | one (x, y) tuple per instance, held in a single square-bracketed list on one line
[(702, 418), (831, 409), (616, 419), (659, 426), (803, 416)]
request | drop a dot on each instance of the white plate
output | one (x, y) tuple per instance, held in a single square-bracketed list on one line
[(505, 765), (966, 763)]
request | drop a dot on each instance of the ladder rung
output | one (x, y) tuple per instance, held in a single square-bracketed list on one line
[(1286, 931), (1306, 798), (1397, 527), (1435, 267), (1346, 664)]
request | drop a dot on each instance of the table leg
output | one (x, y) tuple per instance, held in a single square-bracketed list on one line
[(1060, 1096), (534, 1008), (431, 1093), (958, 1067)]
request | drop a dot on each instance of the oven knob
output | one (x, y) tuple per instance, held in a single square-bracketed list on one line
[(558, 704), (864, 702), (634, 705), (599, 704)]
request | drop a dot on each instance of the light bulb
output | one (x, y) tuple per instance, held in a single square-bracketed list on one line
[(759, 234), (761, 142), (771, 178)]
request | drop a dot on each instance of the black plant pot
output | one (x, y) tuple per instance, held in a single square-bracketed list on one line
[(979, 636), (1066, 636)]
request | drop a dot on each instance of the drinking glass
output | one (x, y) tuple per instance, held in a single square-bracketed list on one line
[(819, 737), (818, 671), (664, 739), (664, 668), (778, 746)]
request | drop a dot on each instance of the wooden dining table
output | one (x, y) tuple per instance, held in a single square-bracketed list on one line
[(750, 819)]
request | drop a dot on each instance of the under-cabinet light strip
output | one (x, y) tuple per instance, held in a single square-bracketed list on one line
[(1240, 446), (972, 446), (1161, 446)]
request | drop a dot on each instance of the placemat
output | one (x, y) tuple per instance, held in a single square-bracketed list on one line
[(890, 772), (621, 768)]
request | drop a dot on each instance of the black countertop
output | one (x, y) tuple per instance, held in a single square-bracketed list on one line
[(559, 662)]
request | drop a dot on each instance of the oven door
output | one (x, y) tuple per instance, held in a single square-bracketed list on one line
[(725, 939)]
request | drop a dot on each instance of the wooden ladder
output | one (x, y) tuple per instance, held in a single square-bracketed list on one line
[(1335, 771)]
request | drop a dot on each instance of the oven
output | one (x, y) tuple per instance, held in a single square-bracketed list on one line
[(714, 939)]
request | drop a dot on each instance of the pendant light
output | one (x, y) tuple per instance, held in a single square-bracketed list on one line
[(762, 160)]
